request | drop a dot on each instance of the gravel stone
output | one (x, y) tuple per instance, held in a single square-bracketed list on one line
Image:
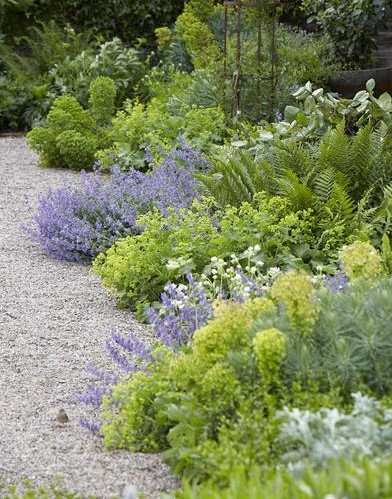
[(54, 319)]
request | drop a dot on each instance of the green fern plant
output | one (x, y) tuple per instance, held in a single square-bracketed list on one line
[(330, 180), (234, 179)]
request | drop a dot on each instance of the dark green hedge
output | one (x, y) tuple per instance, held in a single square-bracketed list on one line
[(127, 19)]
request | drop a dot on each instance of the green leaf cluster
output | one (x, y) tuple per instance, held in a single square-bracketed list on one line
[(26, 88), (137, 268), (212, 406), (344, 180), (180, 107), (315, 112), (72, 135), (354, 479), (352, 25)]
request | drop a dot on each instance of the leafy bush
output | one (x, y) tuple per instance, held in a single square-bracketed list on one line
[(300, 56), (212, 405), (102, 97), (75, 74), (336, 179), (50, 61), (79, 143), (130, 20), (72, 135), (76, 224), (198, 38), (312, 439), (26, 88), (180, 107), (357, 479), (137, 268), (316, 112), (76, 149), (352, 25), (361, 261)]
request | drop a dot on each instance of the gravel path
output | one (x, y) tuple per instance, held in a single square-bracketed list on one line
[(54, 318)]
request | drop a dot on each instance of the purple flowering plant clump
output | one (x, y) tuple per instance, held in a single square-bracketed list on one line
[(77, 224), (129, 354), (337, 283), (184, 309)]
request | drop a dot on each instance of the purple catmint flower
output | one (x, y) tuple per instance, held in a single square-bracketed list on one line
[(338, 282), (98, 374), (90, 425), (129, 354), (278, 116), (133, 346), (184, 309), (77, 224), (94, 395)]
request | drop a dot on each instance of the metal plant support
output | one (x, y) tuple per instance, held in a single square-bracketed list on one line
[(237, 77)]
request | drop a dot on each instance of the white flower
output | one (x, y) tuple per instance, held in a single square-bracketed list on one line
[(273, 271)]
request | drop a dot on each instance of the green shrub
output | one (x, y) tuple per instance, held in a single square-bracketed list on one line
[(102, 97), (132, 21), (72, 135), (26, 88), (311, 439), (361, 260), (137, 268), (295, 291), (198, 38), (66, 115), (212, 406), (180, 107), (300, 57), (76, 149), (140, 423), (352, 25), (316, 112), (74, 75), (344, 180), (357, 479)]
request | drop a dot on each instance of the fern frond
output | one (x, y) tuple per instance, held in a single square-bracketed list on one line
[(383, 220), (236, 179), (361, 153), (299, 195), (341, 203), (334, 151), (381, 157), (297, 158), (323, 185)]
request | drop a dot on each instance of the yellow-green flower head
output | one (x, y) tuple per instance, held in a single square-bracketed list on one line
[(294, 290), (361, 260), (270, 347), (220, 382)]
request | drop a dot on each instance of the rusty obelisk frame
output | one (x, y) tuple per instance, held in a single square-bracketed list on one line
[(237, 77)]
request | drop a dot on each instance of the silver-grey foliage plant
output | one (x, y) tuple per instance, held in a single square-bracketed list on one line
[(311, 439)]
